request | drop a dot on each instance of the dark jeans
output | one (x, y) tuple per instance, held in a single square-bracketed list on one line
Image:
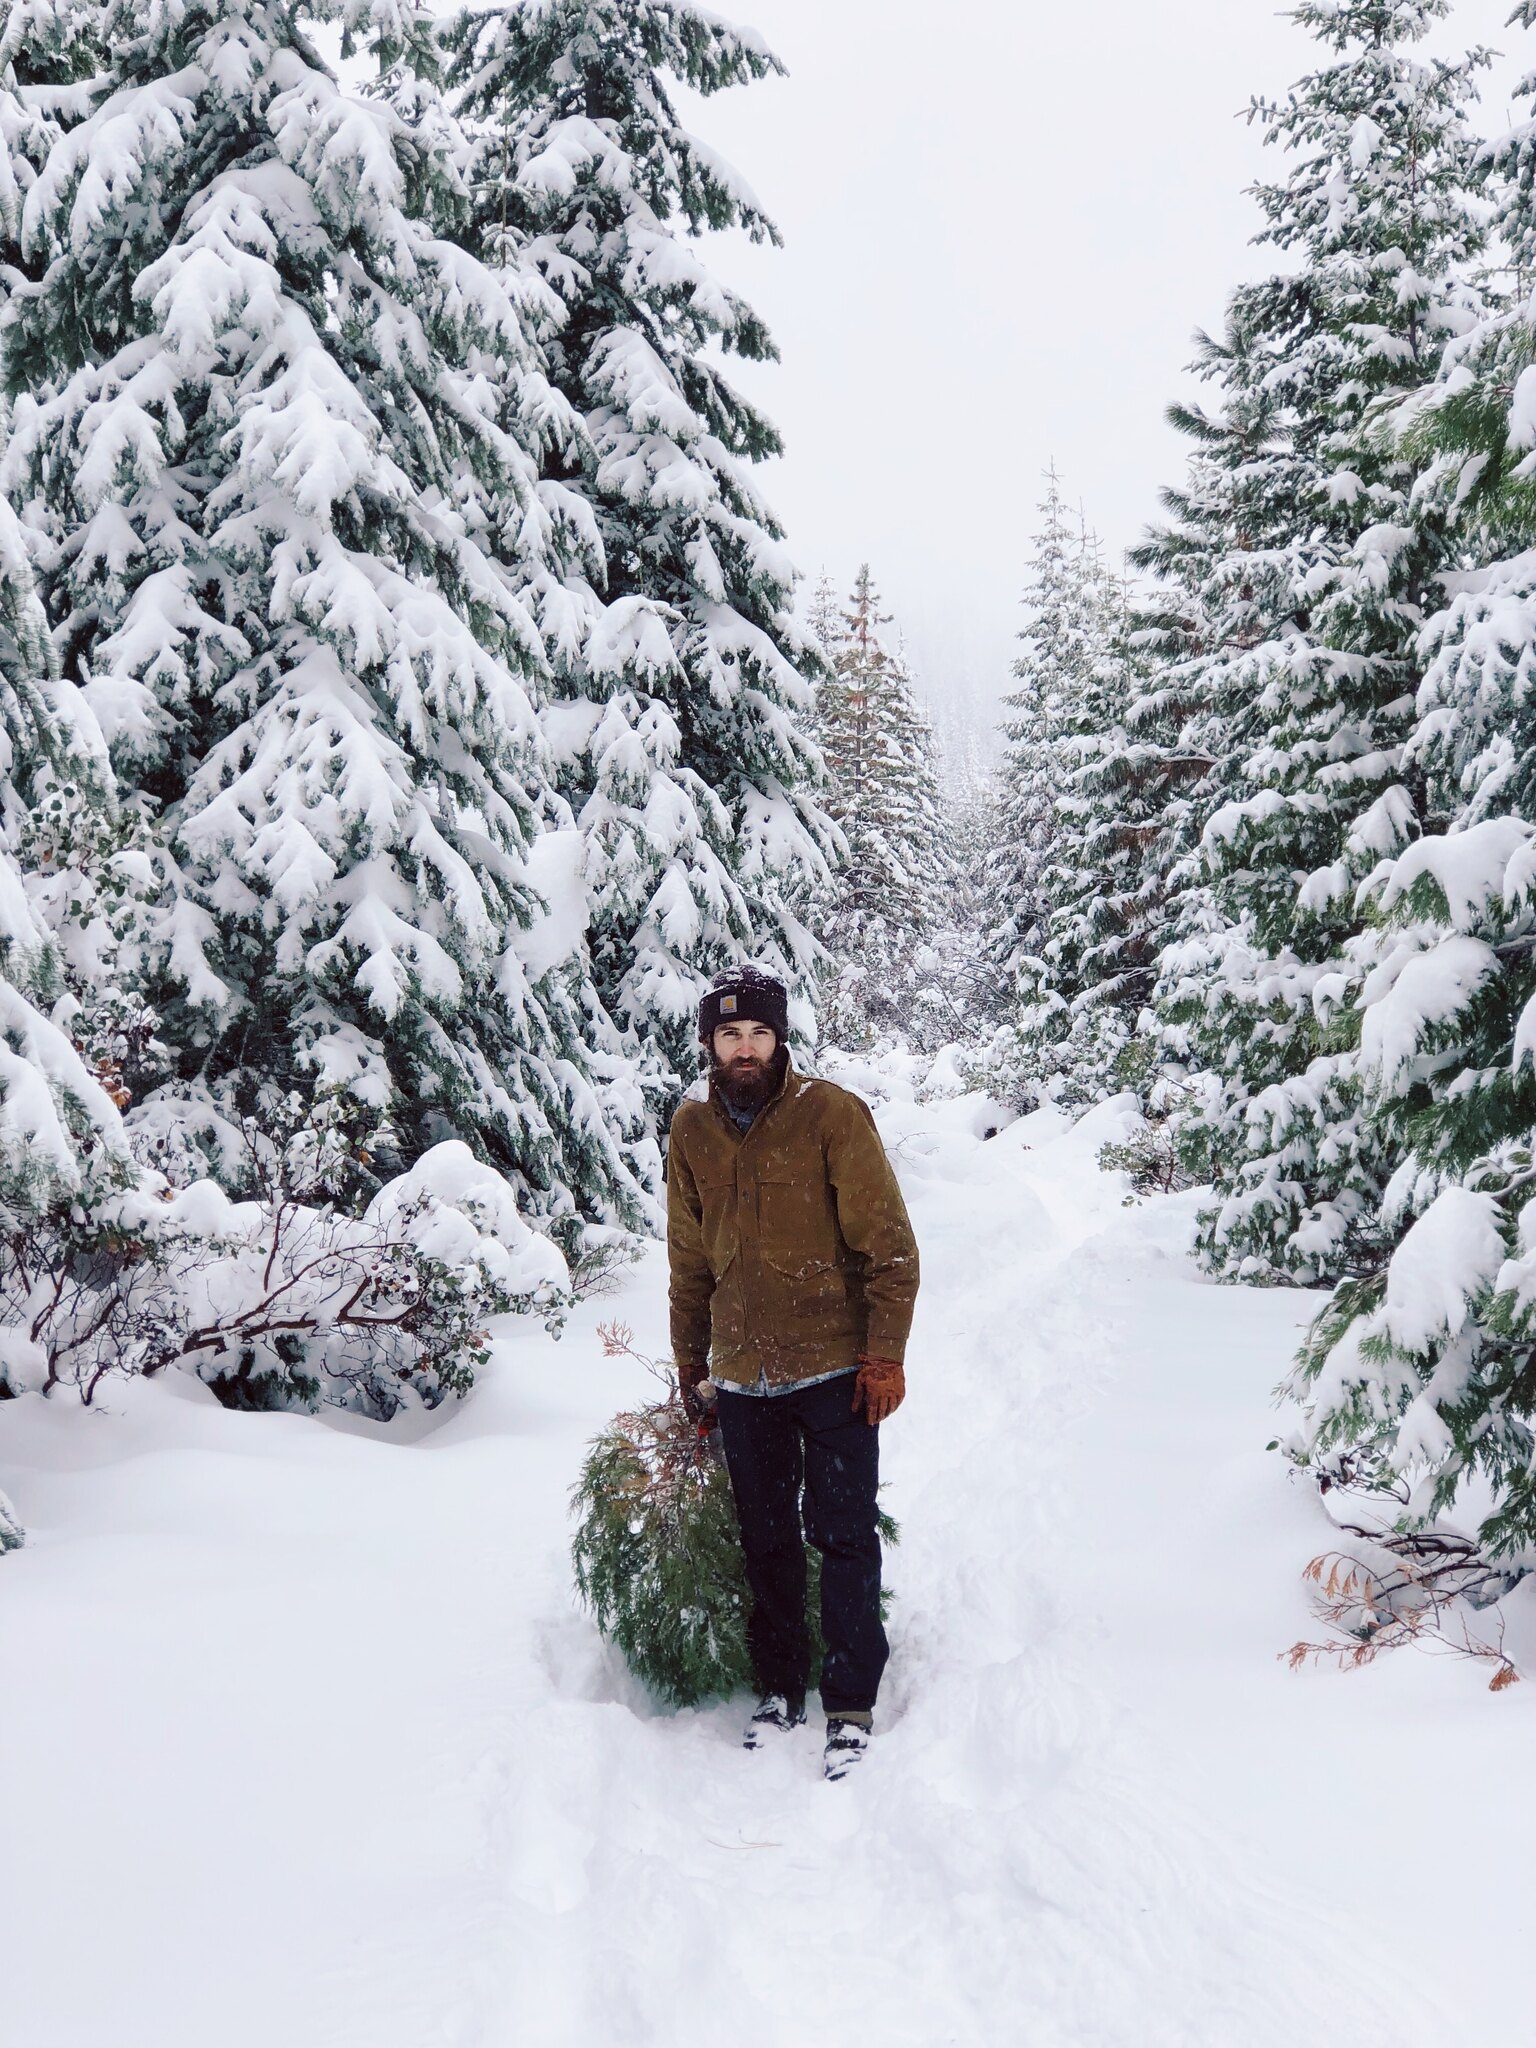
[(773, 1445)]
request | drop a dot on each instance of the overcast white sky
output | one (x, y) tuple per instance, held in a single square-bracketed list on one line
[(1003, 219)]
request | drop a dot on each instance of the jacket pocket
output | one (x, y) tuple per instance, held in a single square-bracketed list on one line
[(798, 1229), (801, 1249)]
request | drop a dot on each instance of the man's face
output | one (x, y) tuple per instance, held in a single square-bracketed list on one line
[(745, 1048)]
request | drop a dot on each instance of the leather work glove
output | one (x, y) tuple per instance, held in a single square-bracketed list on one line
[(880, 1387), (691, 1375)]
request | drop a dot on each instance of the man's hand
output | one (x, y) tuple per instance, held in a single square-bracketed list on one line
[(879, 1389), (691, 1375)]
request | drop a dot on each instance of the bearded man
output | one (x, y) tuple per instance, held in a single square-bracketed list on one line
[(793, 1277)]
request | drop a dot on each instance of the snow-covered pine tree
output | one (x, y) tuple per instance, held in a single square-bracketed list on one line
[(961, 999), (1087, 987), (1310, 702), (250, 423), (682, 676), (1055, 641), (1418, 1377), (62, 1143), (1224, 578), (1073, 936), (1221, 567), (71, 1196), (891, 891), (825, 617)]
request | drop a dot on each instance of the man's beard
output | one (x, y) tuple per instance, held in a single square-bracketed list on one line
[(751, 1083)]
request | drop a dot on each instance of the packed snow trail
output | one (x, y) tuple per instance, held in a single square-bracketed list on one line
[(304, 1739)]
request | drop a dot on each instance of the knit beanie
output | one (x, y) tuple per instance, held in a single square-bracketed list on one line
[(744, 995)]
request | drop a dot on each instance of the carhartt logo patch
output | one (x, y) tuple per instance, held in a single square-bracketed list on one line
[(727, 1006)]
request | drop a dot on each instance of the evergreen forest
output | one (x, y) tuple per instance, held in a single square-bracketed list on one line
[(409, 701)]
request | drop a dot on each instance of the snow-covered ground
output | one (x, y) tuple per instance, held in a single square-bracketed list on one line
[(304, 1741)]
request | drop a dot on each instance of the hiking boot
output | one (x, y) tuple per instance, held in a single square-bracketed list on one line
[(776, 1712), (846, 1743)]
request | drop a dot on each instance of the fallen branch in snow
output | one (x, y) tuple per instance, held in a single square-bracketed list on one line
[(1418, 1594)]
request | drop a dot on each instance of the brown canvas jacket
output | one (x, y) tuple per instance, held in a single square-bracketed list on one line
[(790, 1247)]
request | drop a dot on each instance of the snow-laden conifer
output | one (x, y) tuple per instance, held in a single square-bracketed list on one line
[(1077, 919), (251, 421), (893, 882), (1227, 567), (1418, 1375), (1419, 1372), (962, 999), (1057, 645), (1308, 692), (681, 675), (1222, 563), (106, 1267), (61, 1137)]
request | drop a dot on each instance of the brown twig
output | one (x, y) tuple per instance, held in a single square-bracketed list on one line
[(1405, 1603)]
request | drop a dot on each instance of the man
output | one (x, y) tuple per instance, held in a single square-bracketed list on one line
[(794, 1272)]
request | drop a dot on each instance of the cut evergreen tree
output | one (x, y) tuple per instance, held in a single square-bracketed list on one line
[(894, 880), (680, 673), (251, 426), (658, 1558), (1305, 666)]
